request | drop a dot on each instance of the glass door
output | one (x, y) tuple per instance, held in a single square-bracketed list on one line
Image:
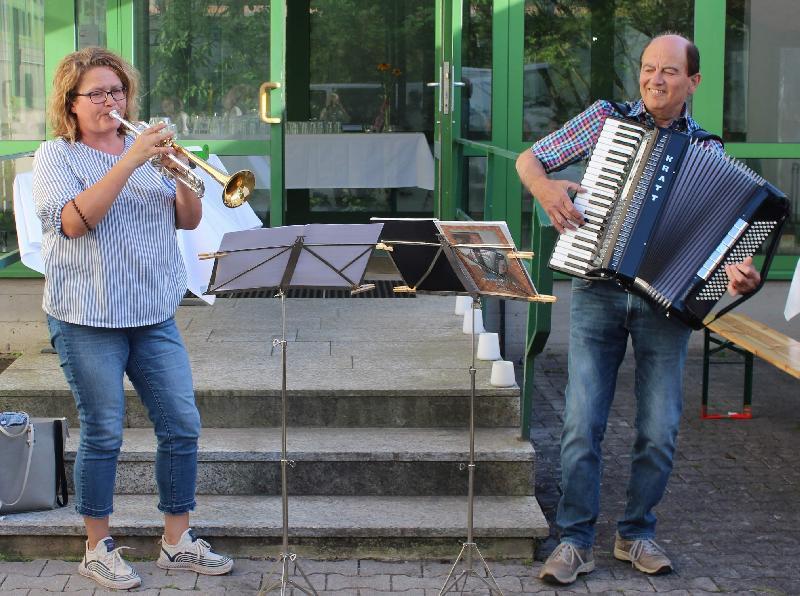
[(359, 114)]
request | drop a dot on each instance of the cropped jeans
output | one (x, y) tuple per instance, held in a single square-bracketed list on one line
[(94, 360), (603, 316)]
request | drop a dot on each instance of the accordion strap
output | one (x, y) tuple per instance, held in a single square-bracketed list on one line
[(700, 135)]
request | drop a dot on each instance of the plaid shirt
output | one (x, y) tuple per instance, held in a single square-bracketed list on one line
[(574, 141)]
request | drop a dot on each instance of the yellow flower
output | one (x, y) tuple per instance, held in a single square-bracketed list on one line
[(384, 66), (397, 72)]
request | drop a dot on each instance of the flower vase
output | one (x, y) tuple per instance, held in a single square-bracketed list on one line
[(387, 118)]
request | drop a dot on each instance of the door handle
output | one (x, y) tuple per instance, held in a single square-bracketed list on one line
[(264, 102)]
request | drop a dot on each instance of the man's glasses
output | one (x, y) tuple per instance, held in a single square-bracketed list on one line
[(117, 94)]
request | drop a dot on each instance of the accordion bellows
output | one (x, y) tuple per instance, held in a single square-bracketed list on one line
[(664, 215)]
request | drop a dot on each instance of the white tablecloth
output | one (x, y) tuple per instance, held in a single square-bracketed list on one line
[(793, 299), (217, 220), (351, 160), (392, 160)]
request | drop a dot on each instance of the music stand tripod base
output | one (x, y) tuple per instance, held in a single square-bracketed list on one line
[(468, 551)]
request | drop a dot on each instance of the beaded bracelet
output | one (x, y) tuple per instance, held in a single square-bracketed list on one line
[(80, 214)]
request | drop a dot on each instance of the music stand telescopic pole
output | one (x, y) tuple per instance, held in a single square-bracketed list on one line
[(286, 557), (469, 548)]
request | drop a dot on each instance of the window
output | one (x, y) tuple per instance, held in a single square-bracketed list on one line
[(762, 79), (578, 51), (22, 86)]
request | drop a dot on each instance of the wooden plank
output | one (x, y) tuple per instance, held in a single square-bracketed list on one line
[(779, 350)]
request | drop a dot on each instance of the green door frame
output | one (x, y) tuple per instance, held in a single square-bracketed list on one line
[(276, 146)]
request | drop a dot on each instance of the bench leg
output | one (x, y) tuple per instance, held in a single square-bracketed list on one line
[(747, 411), (706, 359)]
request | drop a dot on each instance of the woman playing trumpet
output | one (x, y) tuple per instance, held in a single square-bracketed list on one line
[(113, 280)]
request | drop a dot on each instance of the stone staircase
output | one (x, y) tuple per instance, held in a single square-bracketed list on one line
[(378, 413)]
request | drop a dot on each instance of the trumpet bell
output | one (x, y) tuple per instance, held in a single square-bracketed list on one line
[(238, 188)]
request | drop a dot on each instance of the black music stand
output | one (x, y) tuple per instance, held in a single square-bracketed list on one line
[(476, 259), (328, 256)]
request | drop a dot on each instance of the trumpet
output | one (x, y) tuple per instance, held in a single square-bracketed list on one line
[(236, 189)]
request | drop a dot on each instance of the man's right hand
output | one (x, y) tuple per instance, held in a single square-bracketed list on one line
[(553, 196)]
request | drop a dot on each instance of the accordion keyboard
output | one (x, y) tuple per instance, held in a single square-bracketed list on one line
[(603, 181)]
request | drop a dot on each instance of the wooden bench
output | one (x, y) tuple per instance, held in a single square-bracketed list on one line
[(748, 337)]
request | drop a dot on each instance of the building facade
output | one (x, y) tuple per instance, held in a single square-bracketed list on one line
[(481, 79)]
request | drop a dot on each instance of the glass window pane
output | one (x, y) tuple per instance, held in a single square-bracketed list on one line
[(374, 76), (473, 193), (785, 174), (476, 70), (91, 25), (202, 62), (578, 51), (22, 86), (9, 169), (762, 78)]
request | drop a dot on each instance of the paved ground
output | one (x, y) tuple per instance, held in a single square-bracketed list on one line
[(729, 520)]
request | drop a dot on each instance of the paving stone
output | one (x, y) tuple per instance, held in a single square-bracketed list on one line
[(39, 592), (436, 569), (348, 567), (412, 592), (139, 591), (375, 582), (665, 583), (54, 567), (29, 568), (53, 583), (409, 568), (404, 582), (635, 584), (205, 592), (243, 582)]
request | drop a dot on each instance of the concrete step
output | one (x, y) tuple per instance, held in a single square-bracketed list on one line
[(366, 363), (415, 400), (338, 461), (326, 527)]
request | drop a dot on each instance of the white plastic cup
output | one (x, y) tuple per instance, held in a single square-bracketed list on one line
[(502, 374), (462, 303), (488, 346), (468, 315)]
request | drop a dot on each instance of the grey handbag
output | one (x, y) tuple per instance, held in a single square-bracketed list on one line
[(32, 474)]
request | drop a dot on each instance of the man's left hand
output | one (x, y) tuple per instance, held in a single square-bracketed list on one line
[(744, 278)]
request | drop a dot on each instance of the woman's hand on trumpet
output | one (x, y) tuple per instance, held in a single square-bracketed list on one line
[(149, 143)]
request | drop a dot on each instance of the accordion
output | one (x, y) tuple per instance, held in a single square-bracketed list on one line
[(664, 215)]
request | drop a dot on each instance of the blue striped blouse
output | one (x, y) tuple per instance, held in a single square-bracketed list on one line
[(127, 271)]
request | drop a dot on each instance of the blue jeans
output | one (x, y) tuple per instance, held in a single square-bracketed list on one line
[(603, 316), (94, 360)]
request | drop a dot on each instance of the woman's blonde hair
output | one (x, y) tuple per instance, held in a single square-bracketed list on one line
[(67, 78)]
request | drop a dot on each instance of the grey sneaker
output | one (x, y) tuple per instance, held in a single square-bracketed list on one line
[(565, 563), (644, 554)]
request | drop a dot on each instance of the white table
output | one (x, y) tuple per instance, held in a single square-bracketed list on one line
[(348, 160), (217, 220)]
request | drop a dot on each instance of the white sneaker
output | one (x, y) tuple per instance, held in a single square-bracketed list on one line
[(193, 553), (106, 566)]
